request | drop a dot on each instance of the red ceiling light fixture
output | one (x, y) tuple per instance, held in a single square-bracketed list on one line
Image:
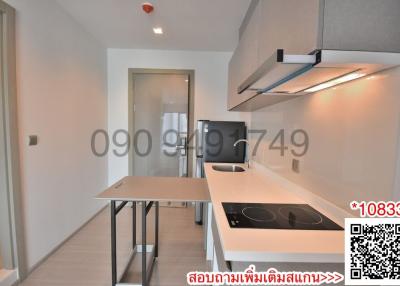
[(147, 7)]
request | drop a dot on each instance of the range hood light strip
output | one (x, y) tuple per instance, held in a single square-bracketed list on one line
[(335, 81)]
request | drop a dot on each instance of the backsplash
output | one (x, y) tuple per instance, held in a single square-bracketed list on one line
[(353, 132)]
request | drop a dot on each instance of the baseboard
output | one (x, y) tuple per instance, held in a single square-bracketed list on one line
[(8, 277), (40, 262)]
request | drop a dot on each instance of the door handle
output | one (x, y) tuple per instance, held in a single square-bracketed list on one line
[(182, 147)]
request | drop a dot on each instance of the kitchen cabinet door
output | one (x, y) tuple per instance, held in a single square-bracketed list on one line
[(291, 25), (362, 25), (248, 46), (301, 27), (244, 60), (233, 80)]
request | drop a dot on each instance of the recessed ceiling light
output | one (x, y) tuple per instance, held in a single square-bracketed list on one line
[(186, 80), (158, 30)]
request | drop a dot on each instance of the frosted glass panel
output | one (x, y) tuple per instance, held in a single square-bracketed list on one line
[(161, 104)]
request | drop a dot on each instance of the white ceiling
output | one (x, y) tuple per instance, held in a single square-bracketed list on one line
[(188, 24)]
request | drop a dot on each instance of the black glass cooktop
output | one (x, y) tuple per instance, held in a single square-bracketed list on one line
[(277, 216)]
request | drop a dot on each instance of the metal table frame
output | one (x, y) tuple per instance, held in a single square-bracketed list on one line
[(143, 247)]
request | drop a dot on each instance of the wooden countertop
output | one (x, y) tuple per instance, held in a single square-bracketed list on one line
[(174, 189)]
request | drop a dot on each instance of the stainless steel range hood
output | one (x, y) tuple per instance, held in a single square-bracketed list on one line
[(284, 74)]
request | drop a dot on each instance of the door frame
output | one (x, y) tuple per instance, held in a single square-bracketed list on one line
[(14, 241), (131, 96)]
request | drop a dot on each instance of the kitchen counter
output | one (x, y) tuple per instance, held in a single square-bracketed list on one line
[(268, 245)]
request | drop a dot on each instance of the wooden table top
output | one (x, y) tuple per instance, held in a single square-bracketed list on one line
[(174, 189)]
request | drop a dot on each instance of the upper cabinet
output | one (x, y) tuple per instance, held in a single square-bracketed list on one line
[(288, 25), (301, 28), (361, 25), (245, 59)]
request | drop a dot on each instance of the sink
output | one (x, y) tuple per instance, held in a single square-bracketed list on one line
[(228, 168)]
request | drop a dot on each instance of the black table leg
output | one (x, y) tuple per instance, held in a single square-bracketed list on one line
[(144, 247), (133, 225), (145, 210), (113, 245), (156, 230)]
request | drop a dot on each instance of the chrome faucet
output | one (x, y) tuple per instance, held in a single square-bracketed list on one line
[(248, 155)]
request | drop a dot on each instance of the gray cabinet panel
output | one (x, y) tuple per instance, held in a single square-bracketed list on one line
[(362, 25), (274, 24), (244, 60), (291, 25), (248, 46), (233, 80), (300, 27)]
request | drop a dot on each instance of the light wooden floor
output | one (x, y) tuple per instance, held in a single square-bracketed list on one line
[(84, 260)]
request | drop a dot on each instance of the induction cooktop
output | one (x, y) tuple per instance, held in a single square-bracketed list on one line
[(277, 216)]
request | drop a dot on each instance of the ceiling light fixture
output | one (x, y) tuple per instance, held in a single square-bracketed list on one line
[(336, 81), (158, 30)]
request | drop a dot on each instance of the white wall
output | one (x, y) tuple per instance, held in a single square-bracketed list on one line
[(353, 130), (211, 72), (61, 82)]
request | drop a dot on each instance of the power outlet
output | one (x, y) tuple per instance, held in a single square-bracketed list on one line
[(296, 166), (32, 140)]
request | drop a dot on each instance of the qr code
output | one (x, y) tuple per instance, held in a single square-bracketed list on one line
[(372, 251)]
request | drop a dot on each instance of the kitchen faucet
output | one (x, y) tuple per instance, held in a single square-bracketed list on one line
[(247, 151)]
